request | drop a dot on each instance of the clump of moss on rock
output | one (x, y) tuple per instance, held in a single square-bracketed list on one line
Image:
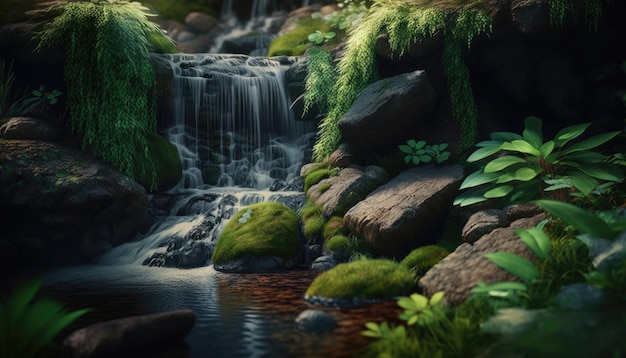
[(317, 174), (334, 226), (422, 259), (167, 165), (296, 42), (341, 247), (267, 229), (361, 281)]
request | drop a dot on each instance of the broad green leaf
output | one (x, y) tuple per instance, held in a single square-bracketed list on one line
[(412, 320), (536, 240), (591, 142), (583, 182), (527, 173), (469, 198), (420, 302), (408, 158), (521, 146), (603, 171), (416, 159), (443, 146), (443, 157), (412, 143), (420, 144), (498, 192), (568, 133), (425, 158), (505, 136), (482, 153), (329, 35), (500, 163), (478, 178), (436, 298), (546, 148), (533, 133), (499, 286), (584, 221), (489, 143), (586, 157), (515, 264), (21, 298), (405, 149), (556, 184)]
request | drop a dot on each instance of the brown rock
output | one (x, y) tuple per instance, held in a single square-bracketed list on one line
[(483, 222)]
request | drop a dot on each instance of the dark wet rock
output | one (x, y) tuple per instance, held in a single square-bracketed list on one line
[(30, 128), (201, 23), (252, 264), (75, 204), (346, 189), (132, 336), (483, 222), (388, 111), (581, 296), (522, 210), (246, 45), (313, 320), (323, 263), (531, 17), (461, 271), (398, 216)]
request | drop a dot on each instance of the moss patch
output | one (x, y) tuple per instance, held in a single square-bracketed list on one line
[(334, 226), (166, 161), (315, 176), (269, 229), (364, 280), (296, 42), (423, 258)]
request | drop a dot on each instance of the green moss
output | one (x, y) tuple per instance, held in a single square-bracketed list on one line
[(334, 226), (168, 168), (178, 10), (316, 176), (363, 279), (423, 259), (324, 187), (346, 246), (310, 210), (314, 226), (295, 42), (271, 230)]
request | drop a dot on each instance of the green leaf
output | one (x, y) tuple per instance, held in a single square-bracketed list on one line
[(482, 153), (412, 143), (502, 162), (416, 159), (515, 264), (412, 320), (420, 302), (443, 146), (584, 221), (536, 240), (478, 178), (405, 149), (505, 136), (489, 143), (521, 146), (591, 142), (443, 157), (498, 192), (546, 148), (533, 133), (585, 157), (329, 35), (425, 158), (469, 198), (436, 298), (568, 133), (583, 182), (527, 173), (21, 298), (499, 286), (408, 158), (420, 144), (603, 171)]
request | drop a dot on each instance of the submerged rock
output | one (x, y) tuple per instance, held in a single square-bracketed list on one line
[(316, 321)]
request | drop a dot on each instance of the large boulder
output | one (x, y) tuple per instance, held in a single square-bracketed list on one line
[(404, 213), (72, 204), (461, 271), (387, 112), (337, 194), (138, 336)]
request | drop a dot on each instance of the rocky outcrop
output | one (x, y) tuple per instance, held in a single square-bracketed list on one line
[(138, 336), (72, 204), (387, 112), (483, 222), (460, 271), (403, 213), (337, 194), (30, 128)]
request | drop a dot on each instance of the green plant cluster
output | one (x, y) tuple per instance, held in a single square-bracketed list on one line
[(417, 152), (296, 42), (562, 9), (29, 325), (110, 82), (405, 22), (526, 167)]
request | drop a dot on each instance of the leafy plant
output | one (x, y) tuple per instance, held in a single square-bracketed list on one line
[(384, 330), (418, 309), (561, 9), (29, 325), (420, 152), (526, 166), (11, 107), (46, 97), (318, 37)]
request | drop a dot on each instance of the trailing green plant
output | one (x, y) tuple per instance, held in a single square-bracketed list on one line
[(561, 9), (405, 22), (319, 37), (417, 152), (29, 325), (321, 76), (526, 167), (110, 82)]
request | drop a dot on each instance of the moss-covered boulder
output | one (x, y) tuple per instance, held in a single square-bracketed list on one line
[(361, 281), (296, 41), (420, 260), (166, 161), (341, 247), (259, 238)]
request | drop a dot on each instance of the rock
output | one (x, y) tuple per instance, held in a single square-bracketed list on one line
[(460, 271), (316, 321), (131, 336), (346, 189), (483, 222), (397, 217), (531, 17), (581, 296), (247, 44), (522, 210), (201, 23), (30, 128), (77, 205), (323, 263), (341, 157), (387, 111)]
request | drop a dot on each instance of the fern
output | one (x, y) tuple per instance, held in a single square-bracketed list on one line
[(405, 22), (110, 82), (321, 75), (561, 9)]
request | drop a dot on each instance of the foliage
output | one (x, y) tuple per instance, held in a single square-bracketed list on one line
[(422, 259), (418, 309), (406, 23), (350, 15), (296, 41), (321, 76), (420, 152), (318, 36), (178, 10), (561, 9), (29, 325), (526, 166), (46, 97), (367, 279), (10, 106), (269, 229), (110, 82)]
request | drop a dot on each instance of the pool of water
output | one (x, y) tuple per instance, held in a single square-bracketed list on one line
[(237, 315)]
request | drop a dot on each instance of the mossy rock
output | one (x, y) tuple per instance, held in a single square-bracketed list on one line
[(317, 176), (296, 42), (166, 161), (361, 281), (333, 227), (342, 247), (262, 230), (422, 259)]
